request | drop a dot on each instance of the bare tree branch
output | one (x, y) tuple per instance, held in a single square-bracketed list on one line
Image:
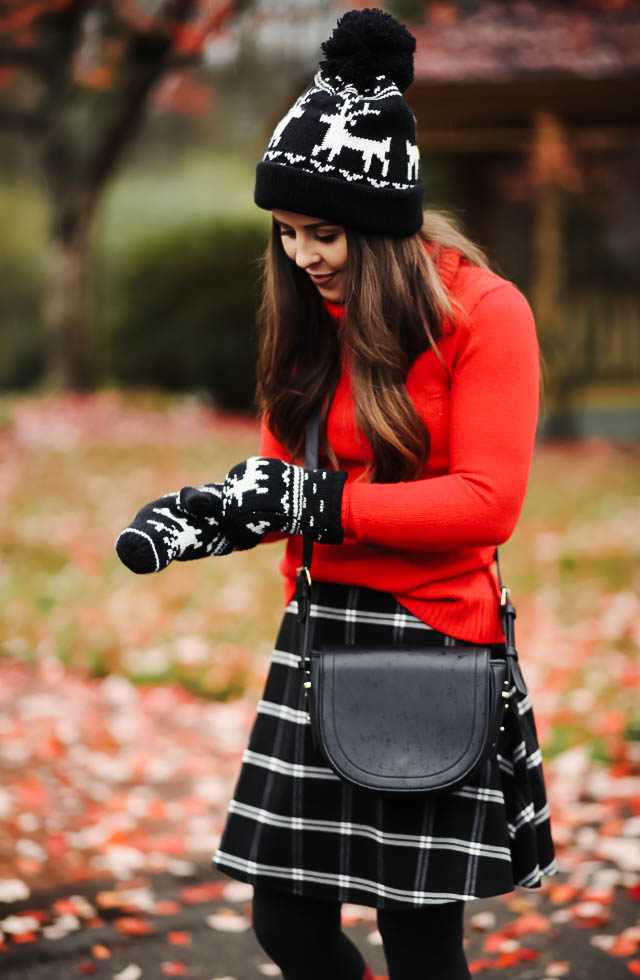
[(146, 61)]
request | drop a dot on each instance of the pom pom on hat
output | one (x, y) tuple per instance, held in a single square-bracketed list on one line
[(370, 42)]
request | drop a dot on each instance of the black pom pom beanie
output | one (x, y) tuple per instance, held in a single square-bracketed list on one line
[(346, 150)]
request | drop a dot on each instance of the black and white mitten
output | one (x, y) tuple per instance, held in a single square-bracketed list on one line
[(263, 494), (164, 530)]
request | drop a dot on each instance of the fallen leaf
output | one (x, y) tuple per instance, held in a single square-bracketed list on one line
[(130, 925), (225, 922), (13, 890), (167, 907), (130, 972), (559, 894), (101, 952), (206, 892)]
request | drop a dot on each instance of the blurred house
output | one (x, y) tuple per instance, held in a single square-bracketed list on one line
[(529, 127)]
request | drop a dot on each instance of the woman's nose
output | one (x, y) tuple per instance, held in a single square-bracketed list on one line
[(306, 254)]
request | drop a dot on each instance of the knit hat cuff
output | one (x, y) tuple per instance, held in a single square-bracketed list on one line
[(395, 212)]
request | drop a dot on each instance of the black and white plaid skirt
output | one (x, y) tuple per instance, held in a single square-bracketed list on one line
[(295, 825)]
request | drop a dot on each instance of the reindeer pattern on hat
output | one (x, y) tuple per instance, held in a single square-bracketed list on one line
[(383, 162)]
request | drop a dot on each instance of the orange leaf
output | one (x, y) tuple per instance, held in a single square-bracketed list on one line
[(202, 893), (101, 952), (623, 947), (166, 907), (130, 925), (477, 966), (560, 894), (179, 938), (527, 923)]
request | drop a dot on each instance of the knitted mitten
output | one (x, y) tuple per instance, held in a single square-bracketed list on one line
[(163, 531), (262, 495)]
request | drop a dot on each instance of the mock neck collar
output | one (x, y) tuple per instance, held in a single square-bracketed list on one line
[(447, 261)]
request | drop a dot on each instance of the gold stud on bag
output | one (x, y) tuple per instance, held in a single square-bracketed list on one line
[(406, 718)]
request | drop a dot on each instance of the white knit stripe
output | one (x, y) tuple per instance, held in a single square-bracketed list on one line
[(319, 772), (297, 497), (282, 711), (302, 874), (286, 659), (533, 761), (296, 770), (524, 705), (528, 814), (480, 793), (531, 879), (143, 534), (360, 616), (261, 815)]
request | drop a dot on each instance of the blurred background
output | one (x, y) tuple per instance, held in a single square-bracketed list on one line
[(129, 134)]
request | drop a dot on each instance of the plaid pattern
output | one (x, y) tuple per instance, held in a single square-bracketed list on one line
[(294, 824)]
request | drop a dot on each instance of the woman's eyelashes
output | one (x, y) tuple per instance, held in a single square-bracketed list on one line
[(321, 238)]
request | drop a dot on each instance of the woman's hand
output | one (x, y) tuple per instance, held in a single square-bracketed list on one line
[(262, 495), (165, 530)]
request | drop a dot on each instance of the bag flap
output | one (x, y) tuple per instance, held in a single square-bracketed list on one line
[(403, 719)]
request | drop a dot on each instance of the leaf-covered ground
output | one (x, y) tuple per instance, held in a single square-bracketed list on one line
[(125, 703)]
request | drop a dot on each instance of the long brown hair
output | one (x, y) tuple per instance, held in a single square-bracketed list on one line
[(395, 308)]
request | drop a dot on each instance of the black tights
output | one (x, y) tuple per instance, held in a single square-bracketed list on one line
[(303, 936)]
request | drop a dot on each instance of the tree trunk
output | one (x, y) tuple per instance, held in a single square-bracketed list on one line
[(68, 296)]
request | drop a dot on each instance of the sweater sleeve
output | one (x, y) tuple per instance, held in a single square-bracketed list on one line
[(493, 415)]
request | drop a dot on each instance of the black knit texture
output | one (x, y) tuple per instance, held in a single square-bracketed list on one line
[(366, 43), (346, 151)]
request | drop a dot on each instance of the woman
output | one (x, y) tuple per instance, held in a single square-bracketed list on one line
[(425, 364)]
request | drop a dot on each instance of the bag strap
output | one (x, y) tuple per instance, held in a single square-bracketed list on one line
[(304, 581)]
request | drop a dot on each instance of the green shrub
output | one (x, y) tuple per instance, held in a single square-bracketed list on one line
[(178, 312), (21, 330)]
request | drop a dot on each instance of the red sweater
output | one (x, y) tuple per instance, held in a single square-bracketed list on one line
[(430, 541)]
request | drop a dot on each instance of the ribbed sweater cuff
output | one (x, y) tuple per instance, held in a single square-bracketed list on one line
[(346, 511)]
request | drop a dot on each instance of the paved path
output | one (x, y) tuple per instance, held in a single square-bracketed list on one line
[(198, 927)]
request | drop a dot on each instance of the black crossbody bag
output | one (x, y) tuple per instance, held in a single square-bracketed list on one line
[(404, 719)]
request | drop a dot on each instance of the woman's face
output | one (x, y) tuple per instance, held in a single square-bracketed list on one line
[(317, 247)]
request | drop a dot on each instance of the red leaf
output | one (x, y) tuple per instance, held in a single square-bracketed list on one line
[(633, 966), (493, 942), (526, 923), (623, 947), (167, 907), (206, 892), (179, 938), (477, 966), (87, 967), (130, 925), (562, 893), (173, 969)]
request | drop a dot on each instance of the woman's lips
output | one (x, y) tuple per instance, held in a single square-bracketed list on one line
[(322, 280)]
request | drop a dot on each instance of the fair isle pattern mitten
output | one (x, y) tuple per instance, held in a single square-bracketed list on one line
[(164, 530), (263, 494)]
